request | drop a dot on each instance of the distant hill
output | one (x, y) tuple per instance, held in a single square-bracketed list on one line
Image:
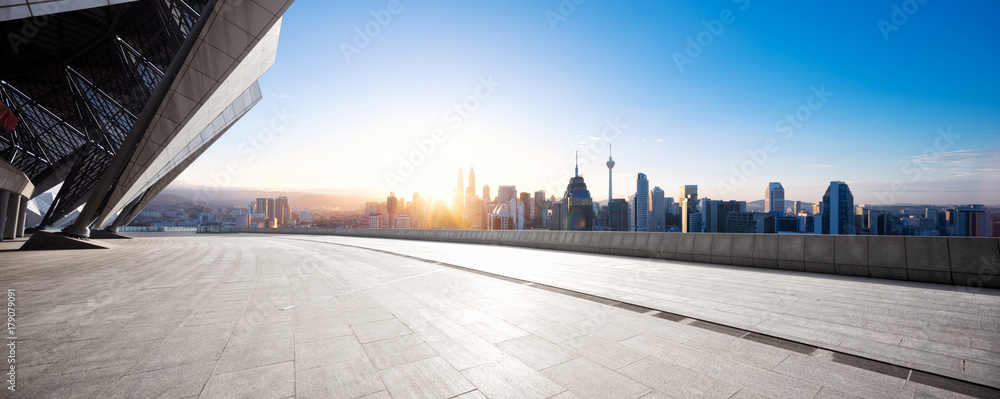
[(167, 200), (173, 196)]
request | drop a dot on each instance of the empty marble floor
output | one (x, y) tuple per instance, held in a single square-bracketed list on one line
[(184, 315)]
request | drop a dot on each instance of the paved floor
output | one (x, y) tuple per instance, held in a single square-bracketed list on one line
[(183, 315)]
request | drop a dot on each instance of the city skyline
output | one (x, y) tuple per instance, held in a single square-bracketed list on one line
[(892, 115)]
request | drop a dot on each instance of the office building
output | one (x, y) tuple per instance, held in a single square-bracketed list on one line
[(972, 221), (529, 206), (506, 193), (774, 199), (714, 213), (392, 209), (750, 222), (658, 211), (266, 207), (305, 217), (618, 213), (688, 200), (838, 209), (458, 199), (403, 222), (538, 211), (579, 204), (557, 219), (640, 212)]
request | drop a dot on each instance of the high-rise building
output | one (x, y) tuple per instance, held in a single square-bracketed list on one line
[(282, 212), (668, 205), (506, 193), (579, 204), (640, 219), (688, 200), (774, 199), (471, 207), (486, 193), (538, 210), (658, 214), (750, 222), (972, 221), (265, 206), (618, 212), (392, 209), (714, 213), (838, 209), (458, 199), (528, 205), (417, 211), (557, 220)]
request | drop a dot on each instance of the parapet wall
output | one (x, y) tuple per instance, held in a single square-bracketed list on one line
[(962, 261)]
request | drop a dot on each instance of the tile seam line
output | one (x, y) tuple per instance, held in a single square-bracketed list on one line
[(526, 282)]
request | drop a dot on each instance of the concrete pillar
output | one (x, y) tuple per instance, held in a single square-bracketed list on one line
[(4, 198), (22, 216), (13, 205)]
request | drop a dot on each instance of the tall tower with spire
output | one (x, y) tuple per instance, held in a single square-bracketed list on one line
[(578, 205), (611, 165), (472, 212)]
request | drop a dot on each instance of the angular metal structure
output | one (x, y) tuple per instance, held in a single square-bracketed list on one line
[(114, 99)]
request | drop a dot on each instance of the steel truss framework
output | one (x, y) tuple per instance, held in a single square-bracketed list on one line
[(77, 85)]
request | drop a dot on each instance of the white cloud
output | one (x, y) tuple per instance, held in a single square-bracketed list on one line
[(973, 164)]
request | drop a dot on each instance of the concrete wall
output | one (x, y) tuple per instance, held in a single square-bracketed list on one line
[(963, 261)]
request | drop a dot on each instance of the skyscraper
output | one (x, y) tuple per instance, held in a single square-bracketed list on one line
[(506, 193), (391, 207), (473, 209), (774, 199), (458, 200), (658, 221), (265, 206), (838, 209), (972, 221), (528, 205), (282, 211), (538, 210), (688, 200), (714, 214), (579, 205), (619, 213), (641, 212)]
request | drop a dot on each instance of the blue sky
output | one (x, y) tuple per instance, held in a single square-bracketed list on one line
[(556, 75)]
